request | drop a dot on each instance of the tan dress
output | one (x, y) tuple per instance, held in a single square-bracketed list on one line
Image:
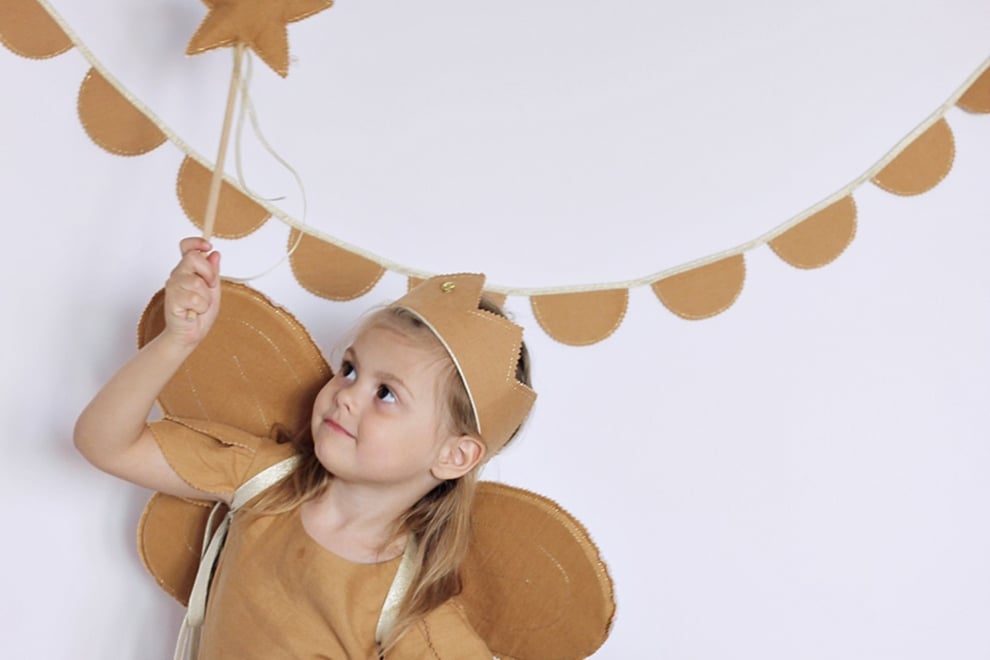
[(277, 593)]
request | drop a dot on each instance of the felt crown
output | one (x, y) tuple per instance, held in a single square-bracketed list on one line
[(484, 347)]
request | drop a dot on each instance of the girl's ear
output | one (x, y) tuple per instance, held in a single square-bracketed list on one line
[(459, 455)]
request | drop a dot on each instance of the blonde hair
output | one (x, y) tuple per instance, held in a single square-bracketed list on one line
[(440, 521)]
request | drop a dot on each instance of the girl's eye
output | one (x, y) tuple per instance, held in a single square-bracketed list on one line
[(385, 394), (347, 371)]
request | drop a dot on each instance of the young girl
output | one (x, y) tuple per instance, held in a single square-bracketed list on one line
[(376, 509)]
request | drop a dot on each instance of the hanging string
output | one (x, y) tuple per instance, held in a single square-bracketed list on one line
[(247, 108)]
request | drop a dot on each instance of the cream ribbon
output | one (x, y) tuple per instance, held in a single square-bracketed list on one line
[(188, 642), (400, 585)]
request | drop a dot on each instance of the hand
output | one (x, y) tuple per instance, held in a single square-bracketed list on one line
[(192, 293)]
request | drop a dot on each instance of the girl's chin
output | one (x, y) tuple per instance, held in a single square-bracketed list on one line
[(329, 446)]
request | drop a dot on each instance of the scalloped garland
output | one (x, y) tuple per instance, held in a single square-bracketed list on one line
[(575, 315)]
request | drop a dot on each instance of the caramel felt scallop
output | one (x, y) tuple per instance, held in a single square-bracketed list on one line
[(976, 98), (237, 214), (330, 271), (112, 121), (30, 31), (922, 164), (705, 291), (580, 319), (819, 239)]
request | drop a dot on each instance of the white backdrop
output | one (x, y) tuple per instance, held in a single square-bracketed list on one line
[(803, 476)]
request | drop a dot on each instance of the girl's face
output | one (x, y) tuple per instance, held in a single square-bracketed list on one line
[(378, 420)]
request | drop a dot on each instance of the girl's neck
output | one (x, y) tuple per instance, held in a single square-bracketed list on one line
[(356, 523)]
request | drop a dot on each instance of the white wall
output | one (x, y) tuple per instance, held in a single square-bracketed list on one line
[(802, 476)]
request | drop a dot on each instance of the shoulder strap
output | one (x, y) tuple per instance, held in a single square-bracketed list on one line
[(188, 640), (400, 585), (260, 482)]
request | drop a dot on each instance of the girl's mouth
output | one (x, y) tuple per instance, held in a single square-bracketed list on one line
[(338, 428)]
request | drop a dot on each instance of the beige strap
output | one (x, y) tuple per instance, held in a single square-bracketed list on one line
[(400, 585), (188, 641)]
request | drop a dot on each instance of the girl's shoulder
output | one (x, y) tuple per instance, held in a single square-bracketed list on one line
[(444, 634), (215, 457)]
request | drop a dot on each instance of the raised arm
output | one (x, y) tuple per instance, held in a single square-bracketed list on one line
[(112, 431)]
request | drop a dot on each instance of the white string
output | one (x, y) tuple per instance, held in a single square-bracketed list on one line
[(247, 107), (388, 264)]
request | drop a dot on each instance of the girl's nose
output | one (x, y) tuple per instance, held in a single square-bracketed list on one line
[(345, 396)]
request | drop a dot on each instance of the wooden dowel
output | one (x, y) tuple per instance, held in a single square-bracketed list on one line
[(213, 200)]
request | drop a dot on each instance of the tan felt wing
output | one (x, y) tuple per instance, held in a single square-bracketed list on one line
[(535, 586), (170, 542), (257, 367)]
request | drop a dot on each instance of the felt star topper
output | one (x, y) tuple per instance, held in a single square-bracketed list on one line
[(258, 24)]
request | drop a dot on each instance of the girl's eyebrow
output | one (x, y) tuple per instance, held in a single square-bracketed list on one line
[(384, 376)]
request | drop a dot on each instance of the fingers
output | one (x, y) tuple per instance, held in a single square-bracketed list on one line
[(192, 286), (198, 258), (194, 243), (188, 296)]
